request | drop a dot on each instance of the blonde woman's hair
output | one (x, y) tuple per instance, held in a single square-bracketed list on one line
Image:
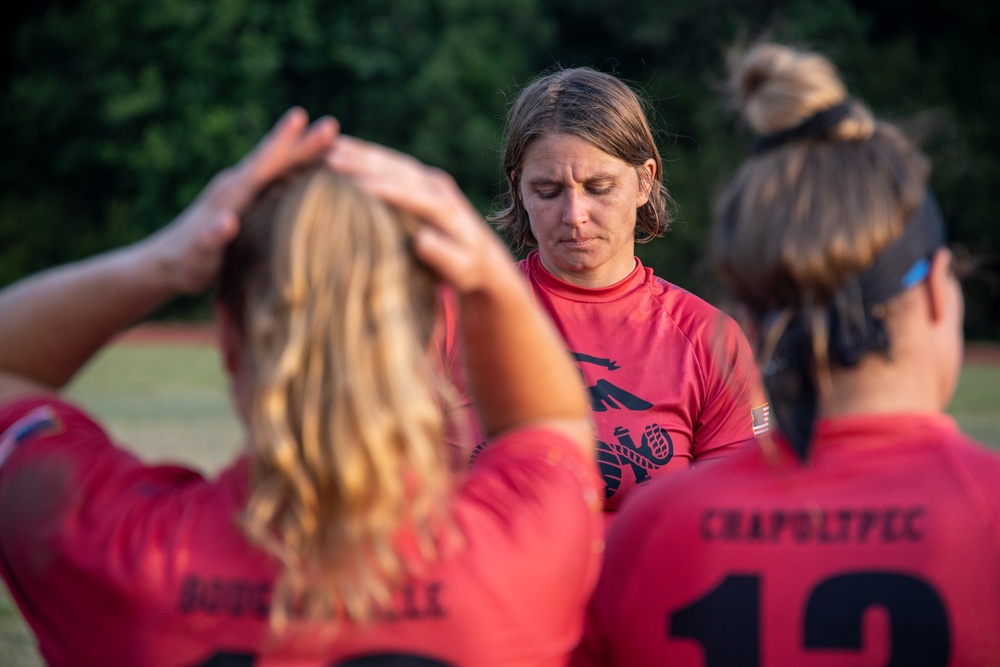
[(347, 422), (799, 220)]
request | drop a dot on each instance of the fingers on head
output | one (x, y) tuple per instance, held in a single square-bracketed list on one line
[(292, 142), (294, 121), (395, 177), (320, 136), (362, 159)]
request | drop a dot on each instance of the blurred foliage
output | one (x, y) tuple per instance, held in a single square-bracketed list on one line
[(115, 112)]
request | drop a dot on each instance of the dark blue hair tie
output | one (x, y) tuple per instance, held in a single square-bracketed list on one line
[(817, 126)]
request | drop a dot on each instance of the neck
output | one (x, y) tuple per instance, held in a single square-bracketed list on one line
[(924, 360), (603, 276), (878, 385)]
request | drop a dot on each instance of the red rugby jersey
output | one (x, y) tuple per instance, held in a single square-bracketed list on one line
[(114, 562), (672, 380), (882, 549)]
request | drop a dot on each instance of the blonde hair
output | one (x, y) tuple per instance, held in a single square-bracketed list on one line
[(796, 222), (347, 419)]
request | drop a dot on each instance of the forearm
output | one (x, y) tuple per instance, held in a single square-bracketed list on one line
[(53, 322)]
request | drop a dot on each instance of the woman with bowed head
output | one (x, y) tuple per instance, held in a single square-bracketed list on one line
[(671, 380), (865, 529), (340, 536)]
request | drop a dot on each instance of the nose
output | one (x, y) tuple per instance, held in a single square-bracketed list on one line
[(574, 208)]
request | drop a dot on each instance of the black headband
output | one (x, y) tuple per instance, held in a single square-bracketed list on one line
[(905, 261), (816, 126), (854, 328)]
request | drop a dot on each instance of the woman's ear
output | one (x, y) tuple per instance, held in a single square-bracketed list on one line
[(940, 285), (232, 349), (230, 338), (647, 179)]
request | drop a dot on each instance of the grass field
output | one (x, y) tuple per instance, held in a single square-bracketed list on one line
[(170, 403)]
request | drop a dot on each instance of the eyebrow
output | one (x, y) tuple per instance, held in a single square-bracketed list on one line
[(597, 178)]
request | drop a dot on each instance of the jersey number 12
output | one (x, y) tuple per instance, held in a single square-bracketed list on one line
[(726, 621)]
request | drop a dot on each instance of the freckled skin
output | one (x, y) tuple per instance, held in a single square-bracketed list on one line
[(582, 205)]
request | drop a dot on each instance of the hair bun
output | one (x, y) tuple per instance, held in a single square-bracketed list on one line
[(777, 88)]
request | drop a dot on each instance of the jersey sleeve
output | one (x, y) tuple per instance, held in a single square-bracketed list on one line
[(531, 513), (734, 410), (75, 538)]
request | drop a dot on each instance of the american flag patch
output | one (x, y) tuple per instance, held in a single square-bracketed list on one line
[(760, 416), (41, 420)]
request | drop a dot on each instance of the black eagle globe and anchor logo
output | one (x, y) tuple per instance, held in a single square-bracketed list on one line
[(655, 448)]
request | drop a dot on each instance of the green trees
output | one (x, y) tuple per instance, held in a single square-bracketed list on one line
[(118, 110), (114, 112)]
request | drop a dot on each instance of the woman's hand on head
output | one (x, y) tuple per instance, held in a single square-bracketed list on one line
[(455, 242), (502, 327), (189, 250)]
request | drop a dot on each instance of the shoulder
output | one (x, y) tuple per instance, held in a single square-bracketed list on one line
[(14, 410), (41, 421), (540, 455), (716, 341), (53, 449), (692, 314), (537, 480), (978, 462)]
